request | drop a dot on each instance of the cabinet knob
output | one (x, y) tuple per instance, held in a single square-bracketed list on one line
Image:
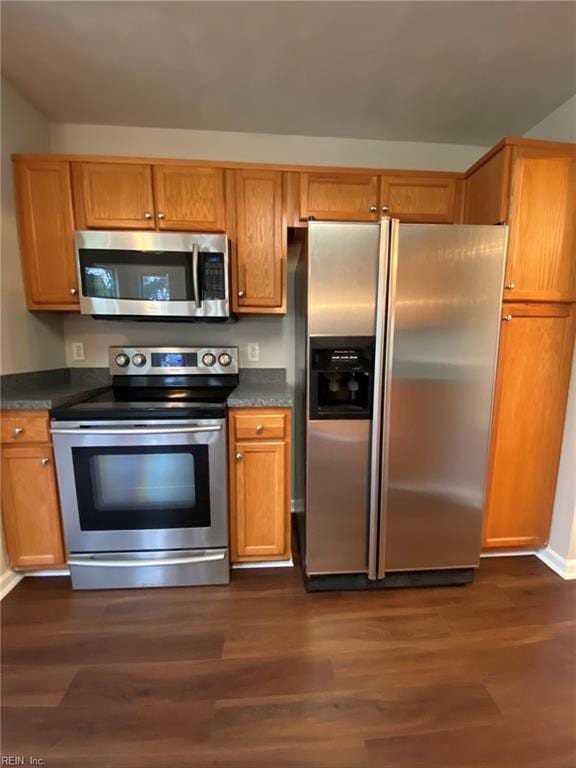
[(259, 429), (44, 462), (147, 215), (161, 215), (238, 457), (241, 294), (18, 431), (385, 208), (373, 208), (510, 286), (73, 291), (507, 318)]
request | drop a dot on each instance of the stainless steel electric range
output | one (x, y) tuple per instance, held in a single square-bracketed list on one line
[(142, 471)]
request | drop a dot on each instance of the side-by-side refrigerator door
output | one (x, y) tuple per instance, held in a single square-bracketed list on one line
[(442, 329)]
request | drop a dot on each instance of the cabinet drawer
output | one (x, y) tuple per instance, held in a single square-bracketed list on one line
[(24, 427), (261, 426)]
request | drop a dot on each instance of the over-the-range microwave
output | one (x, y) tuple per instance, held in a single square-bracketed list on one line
[(162, 275)]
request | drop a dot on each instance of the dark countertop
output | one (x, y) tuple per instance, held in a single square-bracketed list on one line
[(43, 390), (262, 388)]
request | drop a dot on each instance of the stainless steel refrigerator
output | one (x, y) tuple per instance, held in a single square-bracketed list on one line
[(397, 336)]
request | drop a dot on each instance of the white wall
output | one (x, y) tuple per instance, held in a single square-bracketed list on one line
[(560, 125), (260, 147), (30, 341), (275, 334)]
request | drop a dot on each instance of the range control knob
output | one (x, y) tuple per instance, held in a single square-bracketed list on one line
[(122, 360), (208, 359), (139, 359), (224, 359)]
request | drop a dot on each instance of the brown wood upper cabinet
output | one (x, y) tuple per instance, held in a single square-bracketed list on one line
[(190, 198), (535, 354), (418, 198), (487, 189), (46, 231), (541, 261), (259, 276), (148, 196), (339, 196), (113, 196)]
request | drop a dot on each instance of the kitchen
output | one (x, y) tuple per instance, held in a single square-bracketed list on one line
[(226, 393)]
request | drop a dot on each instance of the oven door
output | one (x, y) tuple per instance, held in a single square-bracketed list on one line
[(126, 486), (152, 274)]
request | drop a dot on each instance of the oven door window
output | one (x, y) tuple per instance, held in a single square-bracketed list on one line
[(138, 275), (142, 488)]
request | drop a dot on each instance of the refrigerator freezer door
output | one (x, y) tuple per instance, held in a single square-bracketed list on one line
[(442, 337), (338, 459), (343, 270)]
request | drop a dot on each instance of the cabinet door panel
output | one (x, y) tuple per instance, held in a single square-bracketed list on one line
[(532, 385), (542, 252), (30, 508), (417, 199), (486, 194), (339, 196), (259, 502), (190, 198), (46, 228), (261, 242), (113, 196)]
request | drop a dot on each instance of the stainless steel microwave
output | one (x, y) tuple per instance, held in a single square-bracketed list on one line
[(153, 274)]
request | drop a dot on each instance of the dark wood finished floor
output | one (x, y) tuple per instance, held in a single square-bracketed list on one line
[(260, 674)]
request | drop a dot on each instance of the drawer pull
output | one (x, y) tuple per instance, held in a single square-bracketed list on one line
[(259, 429), (238, 457), (44, 462), (507, 318), (18, 431)]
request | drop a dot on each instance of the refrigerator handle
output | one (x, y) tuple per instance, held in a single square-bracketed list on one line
[(387, 395), (376, 433)]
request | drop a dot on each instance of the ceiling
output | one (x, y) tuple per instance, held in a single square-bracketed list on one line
[(454, 72)]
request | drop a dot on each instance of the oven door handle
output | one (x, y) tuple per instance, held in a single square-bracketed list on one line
[(94, 562), (137, 431)]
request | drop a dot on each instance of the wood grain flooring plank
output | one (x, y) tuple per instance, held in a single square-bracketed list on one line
[(196, 681), (321, 718)]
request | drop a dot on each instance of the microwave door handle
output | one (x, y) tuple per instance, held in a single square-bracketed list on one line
[(195, 275)]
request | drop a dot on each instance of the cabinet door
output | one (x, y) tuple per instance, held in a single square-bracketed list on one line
[(30, 507), (419, 199), (260, 263), (542, 251), (46, 229), (113, 196), (339, 196), (189, 198), (535, 354), (259, 502), (487, 190)]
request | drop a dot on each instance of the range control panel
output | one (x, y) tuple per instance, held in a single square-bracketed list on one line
[(160, 361)]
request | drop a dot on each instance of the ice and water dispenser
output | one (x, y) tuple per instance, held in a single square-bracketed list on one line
[(341, 377)]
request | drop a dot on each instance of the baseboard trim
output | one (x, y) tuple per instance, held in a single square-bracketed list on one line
[(510, 553), (8, 581), (560, 565)]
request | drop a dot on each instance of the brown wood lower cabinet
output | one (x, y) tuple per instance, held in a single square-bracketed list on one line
[(30, 508), (259, 440), (535, 355)]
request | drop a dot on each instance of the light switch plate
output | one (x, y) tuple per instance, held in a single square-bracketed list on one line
[(78, 350), (253, 352)]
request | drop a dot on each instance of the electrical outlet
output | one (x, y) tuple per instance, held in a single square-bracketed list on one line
[(253, 352), (78, 350)]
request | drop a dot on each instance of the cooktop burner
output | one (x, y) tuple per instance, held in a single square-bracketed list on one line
[(161, 383)]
